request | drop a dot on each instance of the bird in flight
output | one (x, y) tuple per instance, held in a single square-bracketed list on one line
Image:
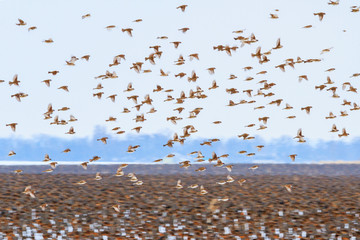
[(182, 7), (21, 22)]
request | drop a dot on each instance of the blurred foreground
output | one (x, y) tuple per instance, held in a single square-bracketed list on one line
[(319, 207)]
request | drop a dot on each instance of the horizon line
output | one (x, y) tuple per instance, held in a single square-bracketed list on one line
[(41, 163)]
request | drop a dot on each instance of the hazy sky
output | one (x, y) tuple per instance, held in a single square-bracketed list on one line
[(211, 23)]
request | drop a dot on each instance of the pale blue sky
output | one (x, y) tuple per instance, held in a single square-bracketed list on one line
[(211, 23)]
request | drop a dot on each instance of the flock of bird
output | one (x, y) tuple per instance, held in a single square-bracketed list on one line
[(264, 91)]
